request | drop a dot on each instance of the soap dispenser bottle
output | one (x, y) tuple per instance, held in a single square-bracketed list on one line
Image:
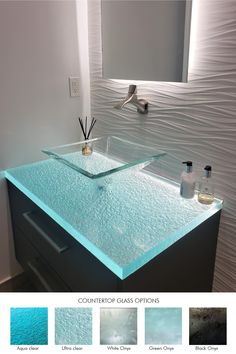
[(206, 190), (188, 181)]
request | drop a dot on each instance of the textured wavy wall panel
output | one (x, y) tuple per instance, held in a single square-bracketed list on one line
[(194, 121)]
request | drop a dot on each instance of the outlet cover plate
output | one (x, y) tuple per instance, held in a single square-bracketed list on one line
[(74, 86)]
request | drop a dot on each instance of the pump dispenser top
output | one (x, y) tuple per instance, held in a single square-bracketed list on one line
[(188, 181), (207, 171), (189, 165)]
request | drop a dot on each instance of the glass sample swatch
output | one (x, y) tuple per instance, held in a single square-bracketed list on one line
[(29, 326), (207, 326), (73, 326), (163, 326), (118, 326)]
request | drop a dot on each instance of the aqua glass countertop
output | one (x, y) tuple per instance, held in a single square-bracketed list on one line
[(124, 220)]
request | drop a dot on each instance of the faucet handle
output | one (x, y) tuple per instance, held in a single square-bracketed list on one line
[(141, 104), (132, 89)]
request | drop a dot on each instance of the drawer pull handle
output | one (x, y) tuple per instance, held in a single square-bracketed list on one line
[(37, 273), (28, 216)]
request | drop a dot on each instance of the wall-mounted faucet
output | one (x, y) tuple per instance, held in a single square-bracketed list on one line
[(141, 104)]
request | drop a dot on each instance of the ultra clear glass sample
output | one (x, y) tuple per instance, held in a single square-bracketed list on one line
[(163, 326), (73, 326), (118, 326), (208, 326), (29, 326), (110, 155), (125, 223)]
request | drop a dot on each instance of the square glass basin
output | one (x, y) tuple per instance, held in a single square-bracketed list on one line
[(109, 155)]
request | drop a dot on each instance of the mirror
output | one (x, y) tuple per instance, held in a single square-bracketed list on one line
[(146, 40)]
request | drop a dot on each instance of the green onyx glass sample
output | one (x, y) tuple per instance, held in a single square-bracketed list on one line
[(163, 326), (124, 219), (109, 155)]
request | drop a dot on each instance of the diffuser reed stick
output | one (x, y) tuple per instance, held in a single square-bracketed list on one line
[(84, 127), (86, 130)]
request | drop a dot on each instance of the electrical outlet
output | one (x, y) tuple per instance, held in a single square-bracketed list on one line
[(74, 86)]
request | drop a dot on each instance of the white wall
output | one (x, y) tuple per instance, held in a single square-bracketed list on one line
[(195, 121), (38, 52)]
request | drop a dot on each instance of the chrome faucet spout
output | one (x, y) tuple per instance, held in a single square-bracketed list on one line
[(141, 104), (132, 91)]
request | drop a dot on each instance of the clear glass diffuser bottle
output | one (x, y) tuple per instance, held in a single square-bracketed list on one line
[(206, 190), (87, 149)]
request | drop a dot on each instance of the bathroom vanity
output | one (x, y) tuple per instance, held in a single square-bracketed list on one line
[(128, 231)]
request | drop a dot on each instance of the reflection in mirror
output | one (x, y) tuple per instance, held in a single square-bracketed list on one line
[(146, 40)]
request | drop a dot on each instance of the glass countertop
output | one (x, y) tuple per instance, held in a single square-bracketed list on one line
[(109, 155), (125, 223)]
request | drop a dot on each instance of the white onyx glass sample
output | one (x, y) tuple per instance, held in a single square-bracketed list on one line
[(118, 326), (163, 326)]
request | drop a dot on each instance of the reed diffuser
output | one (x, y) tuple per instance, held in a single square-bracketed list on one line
[(86, 130)]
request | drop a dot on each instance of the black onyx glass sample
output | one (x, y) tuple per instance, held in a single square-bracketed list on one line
[(207, 326)]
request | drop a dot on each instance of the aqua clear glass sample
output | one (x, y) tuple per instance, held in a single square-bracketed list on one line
[(110, 155), (118, 326), (124, 219), (29, 326), (163, 326), (73, 326)]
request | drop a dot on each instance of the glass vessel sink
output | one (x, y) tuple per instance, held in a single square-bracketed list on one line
[(108, 155)]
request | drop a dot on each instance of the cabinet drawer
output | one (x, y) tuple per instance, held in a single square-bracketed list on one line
[(70, 260), (44, 277), (27, 215), (79, 269)]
